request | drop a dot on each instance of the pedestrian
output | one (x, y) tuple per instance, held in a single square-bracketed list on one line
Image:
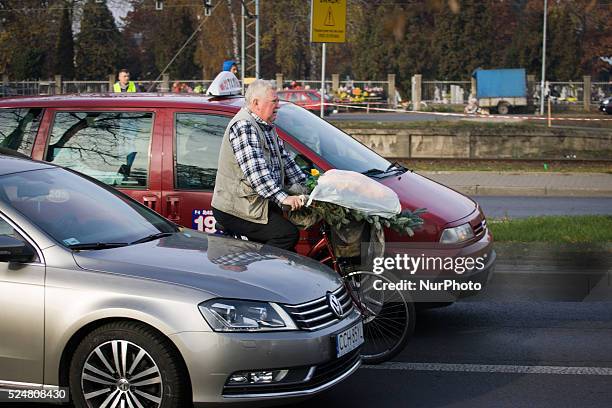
[(124, 84), (230, 66), (253, 164)]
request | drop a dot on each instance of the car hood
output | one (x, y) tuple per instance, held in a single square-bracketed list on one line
[(223, 267), (443, 204)]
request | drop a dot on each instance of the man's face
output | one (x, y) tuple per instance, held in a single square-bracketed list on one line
[(234, 70), (124, 78), (266, 107)]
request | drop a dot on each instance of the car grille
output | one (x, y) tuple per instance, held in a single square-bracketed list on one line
[(480, 227), (317, 313), (317, 376)]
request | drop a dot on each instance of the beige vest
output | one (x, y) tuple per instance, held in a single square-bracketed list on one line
[(233, 193)]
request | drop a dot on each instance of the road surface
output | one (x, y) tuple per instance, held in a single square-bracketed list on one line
[(520, 207)]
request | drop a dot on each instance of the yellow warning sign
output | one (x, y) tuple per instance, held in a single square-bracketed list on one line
[(328, 21)]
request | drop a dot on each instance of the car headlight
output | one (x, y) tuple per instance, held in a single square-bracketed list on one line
[(456, 235), (605, 101), (231, 315)]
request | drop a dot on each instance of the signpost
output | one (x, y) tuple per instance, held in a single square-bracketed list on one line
[(327, 24)]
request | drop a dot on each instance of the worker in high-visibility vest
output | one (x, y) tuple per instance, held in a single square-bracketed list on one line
[(124, 84)]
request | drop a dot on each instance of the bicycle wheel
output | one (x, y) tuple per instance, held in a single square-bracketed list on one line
[(388, 317)]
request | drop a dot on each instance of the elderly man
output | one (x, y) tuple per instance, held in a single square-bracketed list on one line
[(253, 169)]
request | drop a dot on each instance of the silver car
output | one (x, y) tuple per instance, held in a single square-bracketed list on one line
[(102, 295)]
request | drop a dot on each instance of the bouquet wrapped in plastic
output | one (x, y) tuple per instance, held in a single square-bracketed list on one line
[(346, 201), (357, 192)]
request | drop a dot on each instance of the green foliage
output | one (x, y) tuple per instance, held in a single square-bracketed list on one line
[(463, 40), (177, 25), (337, 216), (564, 52), (64, 51), (440, 39), (99, 45), (589, 228), (27, 39)]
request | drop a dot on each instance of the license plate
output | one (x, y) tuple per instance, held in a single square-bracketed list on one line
[(349, 339)]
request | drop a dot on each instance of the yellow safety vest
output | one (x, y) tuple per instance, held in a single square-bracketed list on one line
[(131, 87)]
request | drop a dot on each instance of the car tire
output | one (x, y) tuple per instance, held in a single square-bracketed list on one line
[(99, 373)]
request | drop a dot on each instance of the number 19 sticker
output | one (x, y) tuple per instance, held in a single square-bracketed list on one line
[(203, 220)]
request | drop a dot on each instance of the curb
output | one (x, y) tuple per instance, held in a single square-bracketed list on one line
[(530, 191), (543, 187)]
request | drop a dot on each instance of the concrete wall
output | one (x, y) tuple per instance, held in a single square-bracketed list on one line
[(483, 143)]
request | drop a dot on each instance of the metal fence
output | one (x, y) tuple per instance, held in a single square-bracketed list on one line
[(432, 91), (30, 88), (77, 87)]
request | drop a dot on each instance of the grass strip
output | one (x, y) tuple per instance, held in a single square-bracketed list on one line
[(547, 166), (557, 229)]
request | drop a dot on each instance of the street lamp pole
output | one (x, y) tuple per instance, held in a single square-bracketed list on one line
[(543, 59)]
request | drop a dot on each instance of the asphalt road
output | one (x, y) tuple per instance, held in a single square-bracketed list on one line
[(494, 351), (520, 207), (518, 344)]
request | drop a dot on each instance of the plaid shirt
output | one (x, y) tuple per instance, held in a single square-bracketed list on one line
[(266, 180)]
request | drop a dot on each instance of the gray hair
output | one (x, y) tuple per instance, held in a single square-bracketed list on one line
[(258, 89)]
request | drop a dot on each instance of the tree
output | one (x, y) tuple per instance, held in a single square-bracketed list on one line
[(98, 43), (64, 52), (447, 51), (564, 52), (28, 31), (177, 25), (215, 43)]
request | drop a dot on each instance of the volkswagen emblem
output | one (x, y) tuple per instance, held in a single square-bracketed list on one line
[(335, 304)]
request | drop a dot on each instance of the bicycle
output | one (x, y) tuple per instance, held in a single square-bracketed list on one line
[(388, 316)]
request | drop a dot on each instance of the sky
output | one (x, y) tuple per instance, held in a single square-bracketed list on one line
[(119, 8)]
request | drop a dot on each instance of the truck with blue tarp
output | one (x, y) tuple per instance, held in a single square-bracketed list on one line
[(501, 89)]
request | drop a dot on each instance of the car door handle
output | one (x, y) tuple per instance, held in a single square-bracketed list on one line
[(173, 205), (150, 201)]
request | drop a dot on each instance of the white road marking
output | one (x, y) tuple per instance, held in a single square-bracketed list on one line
[(492, 368)]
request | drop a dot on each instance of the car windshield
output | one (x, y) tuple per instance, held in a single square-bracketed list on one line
[(77, 212), (336, 147)]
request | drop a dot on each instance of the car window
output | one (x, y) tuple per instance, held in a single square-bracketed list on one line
[(292, 97), (8, 231), (333, 145), (303, 162), (198, 142), (18, 128), (314, 97), (74, 210), (112, 147)]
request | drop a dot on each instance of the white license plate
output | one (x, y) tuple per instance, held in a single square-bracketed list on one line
[(349, 339)]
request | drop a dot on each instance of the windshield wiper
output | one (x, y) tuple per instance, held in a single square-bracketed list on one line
[(152, 237), (98, 245), (395, 165), (373, 172)]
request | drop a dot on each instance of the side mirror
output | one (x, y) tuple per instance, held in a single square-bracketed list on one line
[(14, 250)]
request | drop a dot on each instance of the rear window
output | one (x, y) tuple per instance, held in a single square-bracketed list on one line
[(18, 128), (112, 147)]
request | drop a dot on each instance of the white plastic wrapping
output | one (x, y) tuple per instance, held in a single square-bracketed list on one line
[(356, 191)]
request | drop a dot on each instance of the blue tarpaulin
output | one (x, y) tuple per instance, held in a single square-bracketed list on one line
[(499, 83)]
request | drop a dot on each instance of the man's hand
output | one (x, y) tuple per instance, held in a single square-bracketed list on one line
[(295, 202)]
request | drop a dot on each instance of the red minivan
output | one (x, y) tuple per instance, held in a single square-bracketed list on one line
[(163, 150), (308, 99)]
